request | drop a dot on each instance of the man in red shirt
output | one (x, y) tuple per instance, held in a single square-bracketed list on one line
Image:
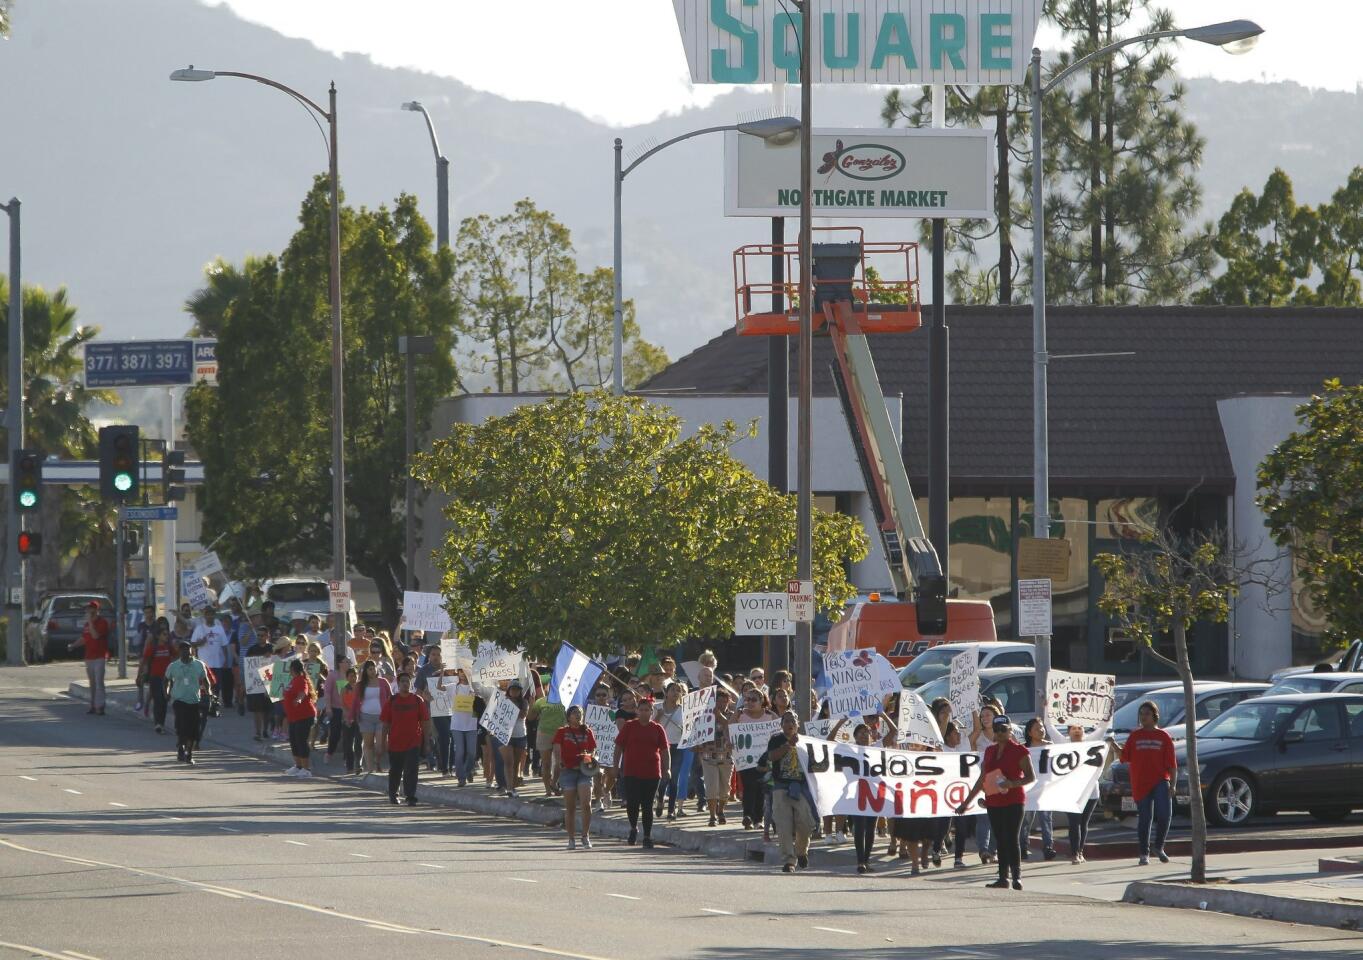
[(1149, 757), (641, 760), (95, 641), (407, 723)]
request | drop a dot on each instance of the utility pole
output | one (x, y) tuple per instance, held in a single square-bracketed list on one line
[(804, 558), (776, 656), (13, 574)]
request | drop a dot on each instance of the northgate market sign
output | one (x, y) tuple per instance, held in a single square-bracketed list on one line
[(974, 42)]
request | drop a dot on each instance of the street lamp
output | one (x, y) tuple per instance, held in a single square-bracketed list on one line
[(774, 129), (337, 358), (411, 347), (442, 178), (1233, 36)]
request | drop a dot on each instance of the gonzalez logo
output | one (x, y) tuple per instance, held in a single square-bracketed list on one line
[(863, 161)]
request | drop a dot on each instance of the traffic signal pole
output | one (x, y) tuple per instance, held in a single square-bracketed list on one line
[(13, 572)]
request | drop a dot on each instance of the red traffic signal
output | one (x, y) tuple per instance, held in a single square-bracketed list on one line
[(30, 544)]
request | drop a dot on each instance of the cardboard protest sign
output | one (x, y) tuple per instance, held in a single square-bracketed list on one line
[(455, 653), (916, 724), (499, 719), (279, 677), (698, 718), (251, 677), (442, 701), (1085, 699), (874, 781), (964, 685), (425, 611), (819, 729), (463, 703), (858, 681), (599, 722), (750, 740), (491, 663)]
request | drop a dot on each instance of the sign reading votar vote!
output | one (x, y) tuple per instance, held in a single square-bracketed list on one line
[(863, 173), (761, 615), (973, 42)]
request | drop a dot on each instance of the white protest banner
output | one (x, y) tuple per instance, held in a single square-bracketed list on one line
[(964, 685), (858, 681), (1085, 699), (916, 724), (599, 722), (499, 719), (698, 718), (425, 611), (750, 740), (251, 673), (442, 701), (849, 780), (491, 663)]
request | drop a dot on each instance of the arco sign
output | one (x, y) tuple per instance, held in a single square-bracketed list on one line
[(974, 42)]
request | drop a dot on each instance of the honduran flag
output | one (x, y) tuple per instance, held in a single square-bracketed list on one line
[(575, 674)]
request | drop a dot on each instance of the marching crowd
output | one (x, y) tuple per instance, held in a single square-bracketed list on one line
[(368, 706)]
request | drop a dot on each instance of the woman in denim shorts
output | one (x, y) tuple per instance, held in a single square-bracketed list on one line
[(575, 761)]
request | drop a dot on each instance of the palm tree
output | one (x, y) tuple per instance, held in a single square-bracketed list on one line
[(223, 283)]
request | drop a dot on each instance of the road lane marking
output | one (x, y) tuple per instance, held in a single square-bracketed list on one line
[(365, 855), (433, 865), (79, 956), (522, 880), (296, 905), (229, 829), (26, 777), (76, 792), (851, 933), (722, 913), (35, 951), (622, 896), (112, 803), (223, 893), (296, 843)]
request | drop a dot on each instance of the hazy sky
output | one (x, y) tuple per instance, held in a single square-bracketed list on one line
[(571, 51)]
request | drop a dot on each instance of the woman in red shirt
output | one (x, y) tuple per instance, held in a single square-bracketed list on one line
[(641, 760), (300, 709), (575, 761), (1006, 769), (156, 656)]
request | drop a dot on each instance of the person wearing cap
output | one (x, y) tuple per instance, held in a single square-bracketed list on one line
[(210, 643), (759, 678), (94, 641), (1005, 770)]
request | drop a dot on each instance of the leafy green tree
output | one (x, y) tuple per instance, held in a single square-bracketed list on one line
[(5, 6), (1311, 492), (589, 518), (78, 525), (263, 432), (1166, 585), (530, 318), (1123, 159), (223, 283)]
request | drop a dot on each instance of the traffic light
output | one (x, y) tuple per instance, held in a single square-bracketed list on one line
[(931, 605), (132, 540), (172, 474), (26, 471), (30, 544), (118, 463)]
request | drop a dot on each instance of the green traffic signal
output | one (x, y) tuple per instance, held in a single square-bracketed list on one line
[(28, 499), (123, 482), (26, 471)]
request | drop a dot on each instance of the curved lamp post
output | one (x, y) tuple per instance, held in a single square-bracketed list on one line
[(777, 129), (442, 178), (337, 358)]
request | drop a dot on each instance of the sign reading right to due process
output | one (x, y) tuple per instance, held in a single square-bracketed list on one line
[(865, 173)]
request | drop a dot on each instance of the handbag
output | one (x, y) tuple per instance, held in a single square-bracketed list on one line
[(211, 704)]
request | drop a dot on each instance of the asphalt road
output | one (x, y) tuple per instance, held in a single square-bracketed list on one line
[(110, 849)]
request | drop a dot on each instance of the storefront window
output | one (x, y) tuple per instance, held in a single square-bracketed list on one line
[(1128, 518), (1308, 623)]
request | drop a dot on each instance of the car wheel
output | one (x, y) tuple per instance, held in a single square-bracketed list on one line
[(1231, 799), (1330, 814)]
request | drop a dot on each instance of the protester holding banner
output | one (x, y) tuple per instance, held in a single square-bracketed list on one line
[(573, 749), (1149, 756), (431, 671), (642, 761), (513, 750), (961, 826), (790, 800), (981, 737), (717, 760), (1005, 772), (256, 658), (751, 779), (1079, 822), (300, 708), (372, 693)]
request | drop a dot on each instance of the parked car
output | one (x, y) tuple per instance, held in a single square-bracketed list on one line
[(1318, 683), (1212, 697), (59, 623), (936, 661), (1348, 660), (1014, 687), (1299, 751), (1126, 692), (296, 593)]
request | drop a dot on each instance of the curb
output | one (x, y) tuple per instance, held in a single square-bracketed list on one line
[(1339, 865), (1183, 846), (1262, 906), (546, 813)]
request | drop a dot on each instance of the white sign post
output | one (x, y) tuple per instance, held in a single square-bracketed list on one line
[(338, 592), (1034, 608), (800, 601), (865, 173), (761, 615)]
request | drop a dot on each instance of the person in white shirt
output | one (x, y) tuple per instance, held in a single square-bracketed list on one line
[(210, 643)]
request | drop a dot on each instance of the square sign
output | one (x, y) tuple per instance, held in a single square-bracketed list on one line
[(339, 593), (1034, 608), (800, 601), (761, 615)]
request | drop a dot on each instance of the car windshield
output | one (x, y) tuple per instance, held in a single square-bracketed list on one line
[(1250, 720), (1304, 683), (308, 591), (937, 688), (927, 666), (1170, 705), (71, 604)]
